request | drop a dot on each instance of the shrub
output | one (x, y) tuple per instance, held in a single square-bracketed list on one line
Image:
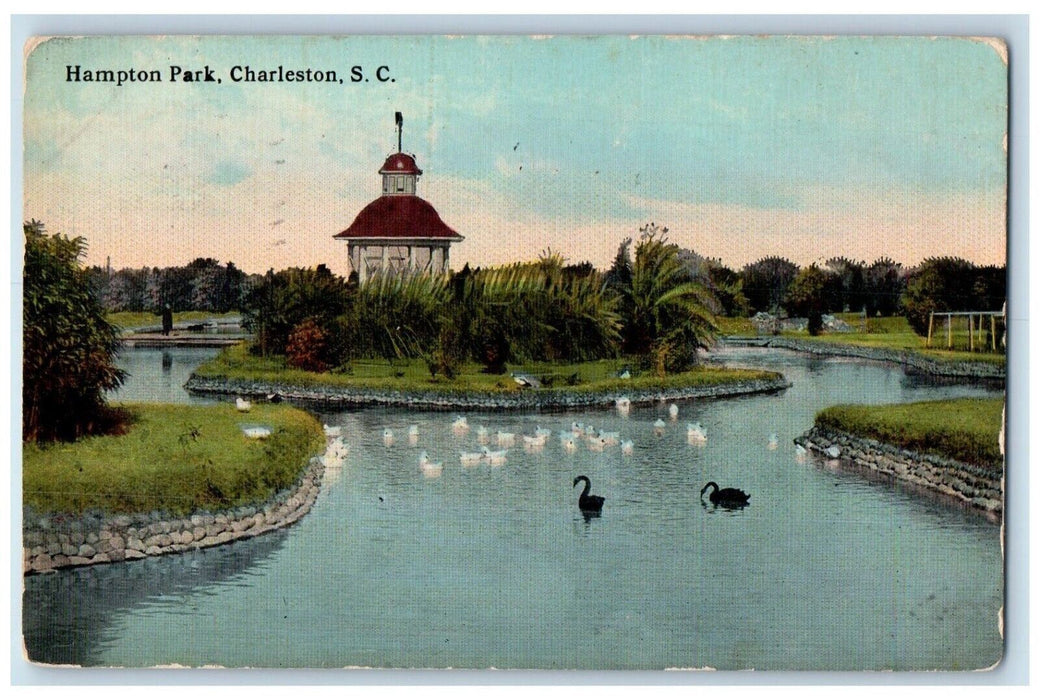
[(306, 347), (69, 348)]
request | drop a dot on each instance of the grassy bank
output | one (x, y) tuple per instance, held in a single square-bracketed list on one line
[(236, 363), (129, 320), (962, 429), (890, 333), (173, 458)]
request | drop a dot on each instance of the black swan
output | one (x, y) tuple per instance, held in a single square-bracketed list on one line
[(725, 497), (587, 503)]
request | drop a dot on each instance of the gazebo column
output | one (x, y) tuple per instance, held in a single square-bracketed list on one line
[(355, 259), (411, 258), (382, 263), (445, 257)]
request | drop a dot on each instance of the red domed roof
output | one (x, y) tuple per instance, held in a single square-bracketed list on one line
[(400, 164), (399, 216)]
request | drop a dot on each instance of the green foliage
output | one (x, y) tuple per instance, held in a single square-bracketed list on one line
[(173, 458), (883, 285), (962, 429), (238, 364), (201, 285), (69, 347), (395, 316), (667, 313), (805, 296), (844, 288), (766, 282), (951, 284), (283, 300)]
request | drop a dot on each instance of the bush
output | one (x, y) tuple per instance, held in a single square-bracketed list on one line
[(306, 347), (69, 348), (938, 284)]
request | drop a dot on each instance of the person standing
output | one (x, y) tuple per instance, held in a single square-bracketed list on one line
[(167, 320)]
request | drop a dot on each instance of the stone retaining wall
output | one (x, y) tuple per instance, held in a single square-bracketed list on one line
[(447, 401), (978, 370), (55, 542), (981, 487)]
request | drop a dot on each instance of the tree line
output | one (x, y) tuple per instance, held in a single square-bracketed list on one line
[(655, 304)]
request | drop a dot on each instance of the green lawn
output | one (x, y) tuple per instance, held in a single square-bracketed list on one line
[(963, 429), (129, 320), (891, 333), (412, 375), (173, 458)]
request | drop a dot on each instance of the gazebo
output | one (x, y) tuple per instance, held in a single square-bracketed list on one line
[(399, 232)]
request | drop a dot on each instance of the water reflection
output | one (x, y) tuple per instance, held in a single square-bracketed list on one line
[(67, 616), (159, 374)]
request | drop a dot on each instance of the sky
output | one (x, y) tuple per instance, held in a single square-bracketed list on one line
[(744, 147)]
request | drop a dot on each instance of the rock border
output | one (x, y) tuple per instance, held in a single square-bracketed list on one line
[(977, 486), (977, 370), (345, 397), (53, 542)]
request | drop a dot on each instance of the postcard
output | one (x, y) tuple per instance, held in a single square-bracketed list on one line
[(514, 352)]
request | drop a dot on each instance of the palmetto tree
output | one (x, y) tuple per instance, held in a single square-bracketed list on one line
[(668, 314)]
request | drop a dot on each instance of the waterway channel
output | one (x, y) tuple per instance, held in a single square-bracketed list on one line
[(494, 566)]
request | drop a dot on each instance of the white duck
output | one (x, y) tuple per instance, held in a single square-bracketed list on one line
[(388, 437), (673, 411), (413, 434), (627, 447), (257, 432), (494, 457), (430, 469), (333, 430), (505, 439), (659, 427), (337, 447), (461, 425), (470, 459), (482, 435), (243, 405), (774, 441), (695, 433), (610, 438), (533, 442), (623, 404)]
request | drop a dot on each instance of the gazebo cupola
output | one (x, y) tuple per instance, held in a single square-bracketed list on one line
[(399, 232)]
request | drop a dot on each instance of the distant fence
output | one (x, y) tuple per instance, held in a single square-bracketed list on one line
[(976, 327)]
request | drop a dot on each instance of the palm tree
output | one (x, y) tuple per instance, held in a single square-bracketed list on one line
[(669, 315)]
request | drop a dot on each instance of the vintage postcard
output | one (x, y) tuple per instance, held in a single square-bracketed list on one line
[(514, 352)]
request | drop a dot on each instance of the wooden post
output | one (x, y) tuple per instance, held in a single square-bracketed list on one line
[(931, 324), (971, 332), (993, 332)]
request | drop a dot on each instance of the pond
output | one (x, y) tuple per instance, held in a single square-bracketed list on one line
[(495, 566)]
